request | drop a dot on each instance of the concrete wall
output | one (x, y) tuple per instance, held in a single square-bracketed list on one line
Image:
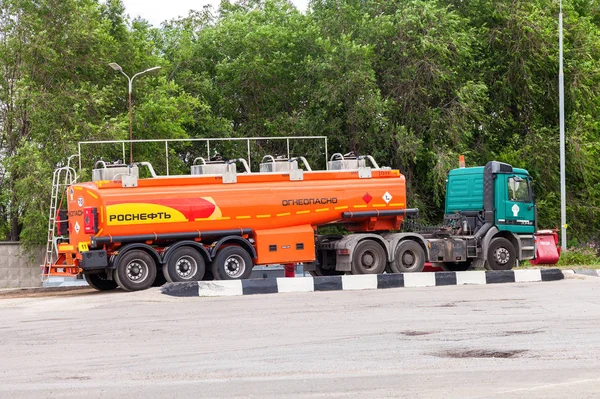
[(17, 268)]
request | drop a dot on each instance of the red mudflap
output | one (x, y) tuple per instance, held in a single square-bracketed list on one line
[(547, 249)]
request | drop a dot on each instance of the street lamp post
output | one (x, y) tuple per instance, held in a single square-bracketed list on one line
[(561, 111), (117, 67)]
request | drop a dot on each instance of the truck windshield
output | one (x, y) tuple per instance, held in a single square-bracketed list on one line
[(518, 189)]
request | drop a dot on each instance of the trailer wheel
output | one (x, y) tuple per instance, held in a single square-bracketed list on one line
[(136, 271), (100, 282), (456, 266), (368, 258), (185, 264), (409, 257), (501, 255), (232, 263)]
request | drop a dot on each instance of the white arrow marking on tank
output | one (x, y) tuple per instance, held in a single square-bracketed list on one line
[(515, 209)]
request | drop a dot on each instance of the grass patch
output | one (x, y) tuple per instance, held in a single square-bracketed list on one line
[(585, 257)]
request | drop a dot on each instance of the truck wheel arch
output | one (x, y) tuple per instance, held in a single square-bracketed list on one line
[(493, 233), (349, 242), (114, 260), (203, 251), (242, 242)]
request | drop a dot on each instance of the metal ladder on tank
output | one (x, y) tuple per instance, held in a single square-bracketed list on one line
[(61, 179)]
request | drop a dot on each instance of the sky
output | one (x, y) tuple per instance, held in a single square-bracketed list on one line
[(155, 11)]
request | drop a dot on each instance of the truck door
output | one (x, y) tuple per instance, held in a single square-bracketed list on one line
[(519, 210)]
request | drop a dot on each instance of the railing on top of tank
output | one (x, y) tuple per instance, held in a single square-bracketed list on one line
[(207, 141)]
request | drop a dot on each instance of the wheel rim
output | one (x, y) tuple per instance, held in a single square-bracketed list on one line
[(408, 259), (368, 260), (186, 267), (137, 271), (235, 266), (502, 255)]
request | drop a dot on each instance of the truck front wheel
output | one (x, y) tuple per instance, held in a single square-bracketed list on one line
[(501, 255), (100, 282), (136, 271), (232, 263)]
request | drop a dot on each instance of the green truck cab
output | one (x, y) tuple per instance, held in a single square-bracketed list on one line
[(514, 207), (490, 219)]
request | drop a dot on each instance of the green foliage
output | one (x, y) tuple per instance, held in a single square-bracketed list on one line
[(580, 256), (415, 83)]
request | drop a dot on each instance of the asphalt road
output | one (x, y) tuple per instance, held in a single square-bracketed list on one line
[(538, 340)]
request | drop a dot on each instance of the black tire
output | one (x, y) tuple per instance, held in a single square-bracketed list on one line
[(185, 264), (322, 269), (456, 266), (409, 257), (368, 257), (319, 272), (100, 282), (501, 255), (136, 271), (232, 263)]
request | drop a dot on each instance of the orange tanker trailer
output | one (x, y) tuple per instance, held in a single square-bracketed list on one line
[(122, 230)]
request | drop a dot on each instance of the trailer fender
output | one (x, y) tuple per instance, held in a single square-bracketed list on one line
[(394, 239), (349, 243), (169, 251), (242, 242), (114, 260)]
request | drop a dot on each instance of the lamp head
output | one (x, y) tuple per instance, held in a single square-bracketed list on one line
[(116, 66)]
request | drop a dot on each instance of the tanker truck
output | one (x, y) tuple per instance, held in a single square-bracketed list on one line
[(121, 230)]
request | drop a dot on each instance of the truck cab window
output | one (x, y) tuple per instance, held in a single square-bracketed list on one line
[(518, 189)]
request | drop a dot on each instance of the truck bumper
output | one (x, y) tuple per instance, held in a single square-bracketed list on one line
[(93, 260)]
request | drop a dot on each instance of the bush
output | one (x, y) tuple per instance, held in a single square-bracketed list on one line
[(580, 256)]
